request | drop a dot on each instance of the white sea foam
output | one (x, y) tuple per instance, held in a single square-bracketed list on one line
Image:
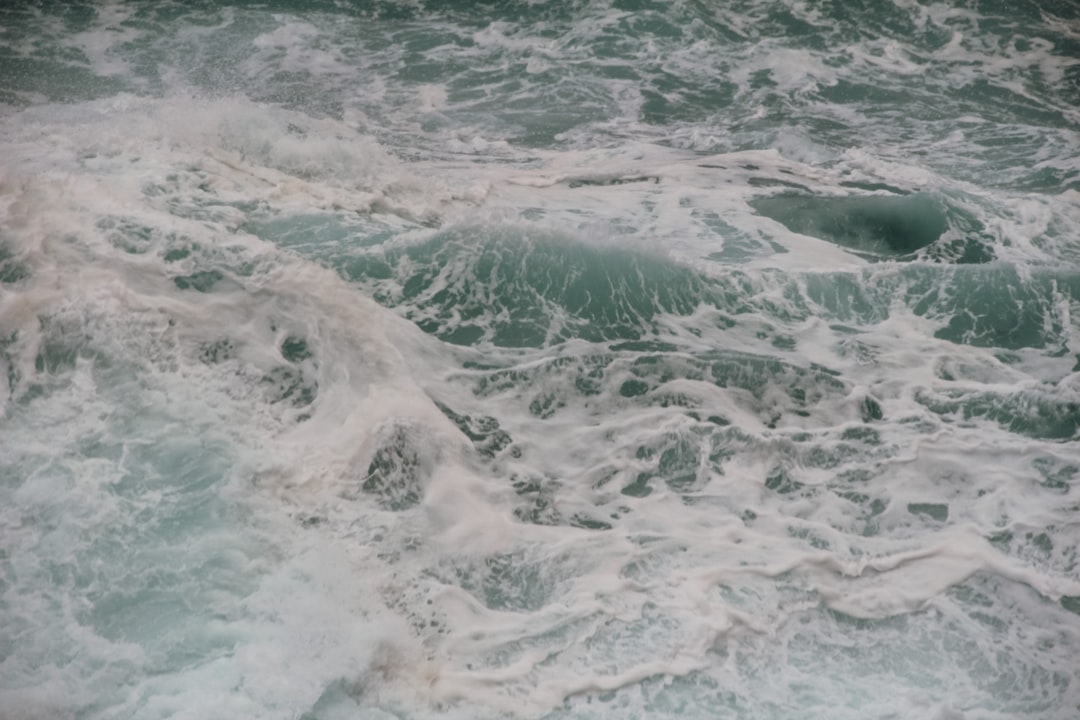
[(197, 419), (324, 609)]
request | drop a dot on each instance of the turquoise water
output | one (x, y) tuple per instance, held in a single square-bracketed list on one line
[(562, 360)]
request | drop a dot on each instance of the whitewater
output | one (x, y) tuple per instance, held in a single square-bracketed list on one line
[(540, 359)]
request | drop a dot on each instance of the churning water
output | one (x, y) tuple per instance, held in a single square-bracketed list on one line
[(539, 359)]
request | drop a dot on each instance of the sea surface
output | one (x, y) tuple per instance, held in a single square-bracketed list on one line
[(540, 360)]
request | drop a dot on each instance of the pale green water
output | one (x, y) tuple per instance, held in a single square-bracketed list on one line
[(578, 359)]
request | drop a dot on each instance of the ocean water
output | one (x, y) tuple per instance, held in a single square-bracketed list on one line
[(540, 359)]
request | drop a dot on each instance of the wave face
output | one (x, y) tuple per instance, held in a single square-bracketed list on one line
[(557, 359)]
